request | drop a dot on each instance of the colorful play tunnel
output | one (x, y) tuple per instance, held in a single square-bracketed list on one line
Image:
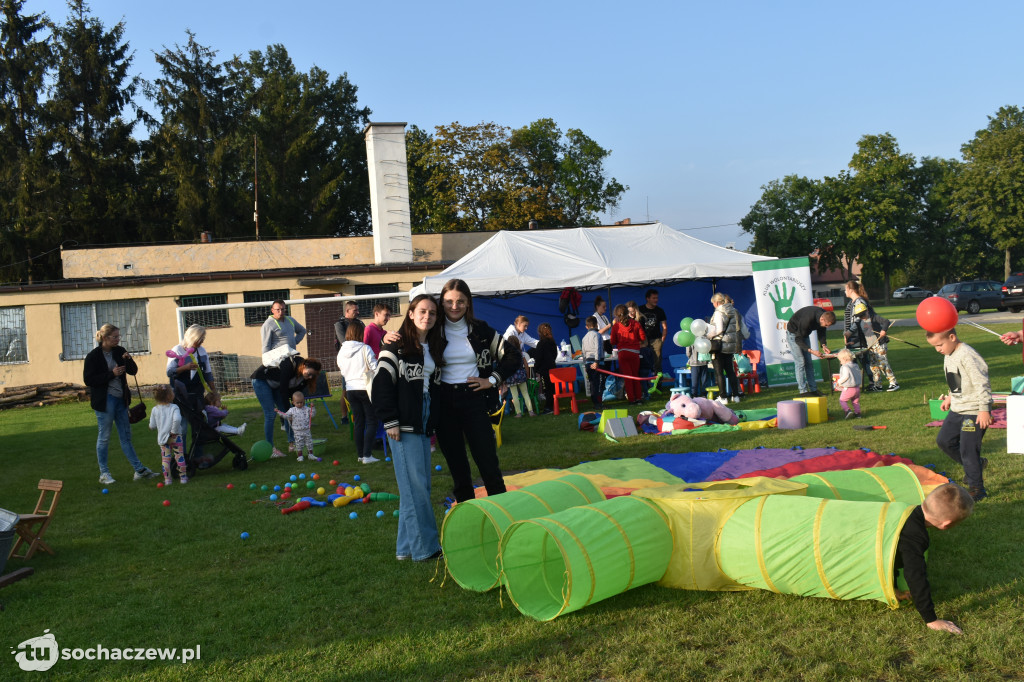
[(557, 564), (813, 547), (897, 483), (472, 530)]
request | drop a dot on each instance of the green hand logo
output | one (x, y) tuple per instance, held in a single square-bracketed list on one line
[(783, 302)]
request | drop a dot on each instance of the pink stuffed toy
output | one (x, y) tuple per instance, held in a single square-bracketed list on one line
[(182, 359), (702, 408)]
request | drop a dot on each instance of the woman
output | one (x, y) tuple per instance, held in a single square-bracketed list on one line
[(604, 328), (354, 359), (543, 362), (628, 336), (518, 330), (274, 386), (476, 361), (404, 388), (852, 333), (104, 373), (196, 375), (724, 328)]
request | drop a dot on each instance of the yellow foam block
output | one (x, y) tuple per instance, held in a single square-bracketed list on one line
[(817, 409)]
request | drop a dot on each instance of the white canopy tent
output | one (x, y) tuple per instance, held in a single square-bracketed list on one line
[(589, 258)]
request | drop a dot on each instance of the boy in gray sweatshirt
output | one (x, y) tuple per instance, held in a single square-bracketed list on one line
[(969, 404)]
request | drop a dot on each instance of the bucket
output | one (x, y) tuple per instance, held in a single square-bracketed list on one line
[(471, 532), (895, 483), (935, 410), (560, 563)]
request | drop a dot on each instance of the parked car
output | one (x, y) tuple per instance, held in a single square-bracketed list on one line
[(973, 296), (1013, 292), (911, 292)]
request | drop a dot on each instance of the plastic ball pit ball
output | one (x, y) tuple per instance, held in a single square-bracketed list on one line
[(333, 483), (277, 488), (395, 513), (310, 484), (335, 462), (437, 468), (160, 484), (380, 514), (230, 486), (320, 491), (356, 477), (302, 477), (353, 515), (261, 451), (264, 487), (273, 497), (252, 486), (316, 477), (387, 459), (167, 503), (293, 478), (244, 536), (105, 491)]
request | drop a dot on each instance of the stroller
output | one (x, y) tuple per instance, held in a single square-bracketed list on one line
[(203, 438)]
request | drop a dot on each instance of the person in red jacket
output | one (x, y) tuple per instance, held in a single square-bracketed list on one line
[(627, 336)]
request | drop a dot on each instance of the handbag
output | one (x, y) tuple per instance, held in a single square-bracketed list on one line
[(137, 413), (368, 374), (716, 345)]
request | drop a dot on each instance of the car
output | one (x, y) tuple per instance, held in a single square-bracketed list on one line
[(974, 295), (1013, 292), (911, 292)]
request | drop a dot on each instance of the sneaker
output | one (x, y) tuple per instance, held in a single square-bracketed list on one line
[(436, 555), (168, 481), (299, 458), (145, 472), (241, 429), (343, 421), (518, 416), (276, 454), (849, 415), (874, 389), (734, 399), (107, 479), (402, 557), (313, 458), (291, 447), (892, 387), (979, 493), (722, 401), (369, 460), (183, 479)]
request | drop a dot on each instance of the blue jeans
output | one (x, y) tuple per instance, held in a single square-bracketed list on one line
[(269, 399), (117, 413), (805, 380), (417, 526)]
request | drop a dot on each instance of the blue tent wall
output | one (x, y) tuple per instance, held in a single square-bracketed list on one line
[(691, 298)]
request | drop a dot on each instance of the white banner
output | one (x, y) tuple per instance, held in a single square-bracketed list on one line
[(781, 287)]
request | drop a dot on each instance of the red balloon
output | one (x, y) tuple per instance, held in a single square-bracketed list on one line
[(937, 314)]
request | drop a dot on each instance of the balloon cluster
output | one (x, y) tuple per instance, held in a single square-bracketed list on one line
[(691, 333)]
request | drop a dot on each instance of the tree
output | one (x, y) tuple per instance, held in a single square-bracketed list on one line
[(785, 220), (427, 188), (582, 189), (990, 190)]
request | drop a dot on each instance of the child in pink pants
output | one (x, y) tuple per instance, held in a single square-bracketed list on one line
[(849, 381)]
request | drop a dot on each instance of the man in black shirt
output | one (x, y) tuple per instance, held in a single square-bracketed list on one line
[(655, 323), (798, 332), (946, 506)]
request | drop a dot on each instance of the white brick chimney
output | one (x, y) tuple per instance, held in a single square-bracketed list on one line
[(389, 193)]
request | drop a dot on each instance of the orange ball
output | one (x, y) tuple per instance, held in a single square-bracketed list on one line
[(316, 477)]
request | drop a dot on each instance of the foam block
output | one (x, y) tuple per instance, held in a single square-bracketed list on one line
[(610, 414), (817, 409), (792, 414), (620, 427)]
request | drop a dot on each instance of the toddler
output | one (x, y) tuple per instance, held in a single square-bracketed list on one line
[(849, 381), (300, 416), (165, 419), (214, 413), (516, 384)]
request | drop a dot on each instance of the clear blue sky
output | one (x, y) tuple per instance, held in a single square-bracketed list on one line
[(700, 103)]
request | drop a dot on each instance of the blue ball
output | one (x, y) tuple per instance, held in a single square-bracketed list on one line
[(277, 488), (302, 476), (380, 514), (437, 468), (293, 477), (356, 477), (288, 486), (387, 459), (273, 497), (353, 515), (105, 491), (244, 536)]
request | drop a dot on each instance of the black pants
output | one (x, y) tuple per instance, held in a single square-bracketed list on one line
[(725, 369), (463, 418), (960, 438), (364, 422), (595, 379)]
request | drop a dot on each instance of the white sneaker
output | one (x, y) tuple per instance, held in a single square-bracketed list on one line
[(145, 473), (734, 399), (107, 479), (241, 429), (299, 458), (369, 460), (722, 401)]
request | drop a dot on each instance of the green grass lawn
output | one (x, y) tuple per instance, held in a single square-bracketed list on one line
[(315, 595)]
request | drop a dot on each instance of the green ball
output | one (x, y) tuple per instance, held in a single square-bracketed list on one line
[(310, 484), (252, 486), (395, 513), (264, 487), (261, 451)]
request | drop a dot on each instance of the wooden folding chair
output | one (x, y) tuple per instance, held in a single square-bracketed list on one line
[(31, 527)]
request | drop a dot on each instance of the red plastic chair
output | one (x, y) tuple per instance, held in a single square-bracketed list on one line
[(748, 380), (564, 380)]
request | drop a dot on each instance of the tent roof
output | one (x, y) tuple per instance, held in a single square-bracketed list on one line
[(588, 258)]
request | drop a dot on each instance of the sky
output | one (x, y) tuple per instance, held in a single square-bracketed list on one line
[(701, 104)]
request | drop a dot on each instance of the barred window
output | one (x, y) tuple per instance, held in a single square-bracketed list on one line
[(206, 318), (13, 335), (79, 322), (366, 305), (256, 316)]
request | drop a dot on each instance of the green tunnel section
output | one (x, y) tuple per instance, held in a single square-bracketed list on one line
[(895, 483), (813, 547), (563, 562), (471, 532)]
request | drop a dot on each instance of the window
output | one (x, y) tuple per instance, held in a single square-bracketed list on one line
[(259, 315), (79, 322), (13, 335), (366, 305), (205, 318)]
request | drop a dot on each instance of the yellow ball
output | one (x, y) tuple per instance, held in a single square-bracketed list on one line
[(320, 491)]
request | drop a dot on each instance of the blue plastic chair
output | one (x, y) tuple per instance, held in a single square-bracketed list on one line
[(680, 365)]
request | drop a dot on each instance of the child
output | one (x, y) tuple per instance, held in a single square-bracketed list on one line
[(849, 381), (875, 328), (698, 371), (165, 419), (214, 413), (301, 418), (516, 384), (593, 354), (543, 362), (946, 506), (969, 404)]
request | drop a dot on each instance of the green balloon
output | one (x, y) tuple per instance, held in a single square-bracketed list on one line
[(683, 339), (261, 451), (685, 324)]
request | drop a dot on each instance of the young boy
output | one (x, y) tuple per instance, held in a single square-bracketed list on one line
[(301, 417), (969, 404), (849, 382), (593, 353), (874, 328), (946, 506)]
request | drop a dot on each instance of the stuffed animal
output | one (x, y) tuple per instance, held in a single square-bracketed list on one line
[(182, 359), (702, 408)]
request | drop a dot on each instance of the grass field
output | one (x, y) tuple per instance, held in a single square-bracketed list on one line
[(317, 596)]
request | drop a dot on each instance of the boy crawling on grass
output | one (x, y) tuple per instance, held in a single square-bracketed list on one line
[(946, 506)]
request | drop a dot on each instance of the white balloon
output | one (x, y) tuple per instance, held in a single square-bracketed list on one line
[(698, 327), (702, 345)]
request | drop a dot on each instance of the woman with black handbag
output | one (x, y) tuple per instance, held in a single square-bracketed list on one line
[(726, 341), (104, 372)]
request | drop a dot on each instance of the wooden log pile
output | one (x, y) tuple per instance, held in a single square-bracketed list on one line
[(41, 394)]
